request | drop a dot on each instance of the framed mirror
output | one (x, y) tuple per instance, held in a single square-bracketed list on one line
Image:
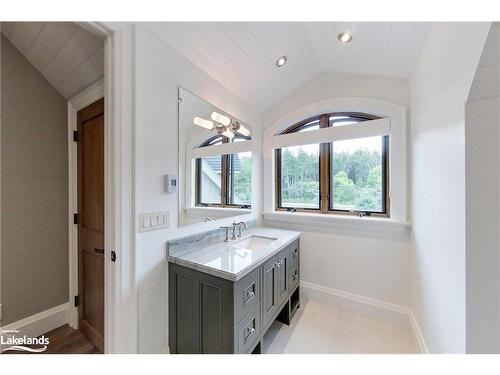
[(215, 162)]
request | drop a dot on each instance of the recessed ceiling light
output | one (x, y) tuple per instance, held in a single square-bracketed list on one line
[(281, 61), (344, 37)]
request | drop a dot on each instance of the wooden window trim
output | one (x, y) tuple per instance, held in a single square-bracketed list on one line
[(325, 169)]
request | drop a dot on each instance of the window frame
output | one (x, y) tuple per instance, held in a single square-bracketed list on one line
[(325, 156), (225, 162)]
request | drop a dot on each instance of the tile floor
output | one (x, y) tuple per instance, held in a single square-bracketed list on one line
[(322, 329)]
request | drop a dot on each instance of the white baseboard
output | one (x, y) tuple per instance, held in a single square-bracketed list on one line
[(417, 333), (38, 324), (386, 312)]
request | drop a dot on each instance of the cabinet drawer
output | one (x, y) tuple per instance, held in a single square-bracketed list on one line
[(247, 294), (248, 331)]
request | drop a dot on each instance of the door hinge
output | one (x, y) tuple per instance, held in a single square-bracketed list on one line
[(77, 301), (113, 256), (75, 218), (75, 136)]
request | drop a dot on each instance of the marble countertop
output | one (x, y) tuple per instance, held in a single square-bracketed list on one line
[(226, 259)]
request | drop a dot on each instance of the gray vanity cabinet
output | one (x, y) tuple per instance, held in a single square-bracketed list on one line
[(210, 314)]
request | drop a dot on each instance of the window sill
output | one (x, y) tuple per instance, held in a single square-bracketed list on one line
[(372, 224), (217, 210)]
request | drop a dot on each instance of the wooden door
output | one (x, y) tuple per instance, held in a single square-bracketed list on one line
[(91, 222), (269, 290)]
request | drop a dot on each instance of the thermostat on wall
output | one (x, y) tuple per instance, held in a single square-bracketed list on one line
[(171, 183)]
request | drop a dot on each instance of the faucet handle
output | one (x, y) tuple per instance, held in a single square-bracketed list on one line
[(227, 233)]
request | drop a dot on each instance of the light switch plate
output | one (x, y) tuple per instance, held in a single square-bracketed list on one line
[(154, 221)]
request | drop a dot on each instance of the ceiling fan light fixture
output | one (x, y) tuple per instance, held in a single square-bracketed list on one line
[(242, 130), (221, 119), (228, 133), (207, 124)]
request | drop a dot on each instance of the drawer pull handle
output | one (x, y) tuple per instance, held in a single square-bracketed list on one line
[(296, 252), (250, 294), (296, 276), (251, 330)]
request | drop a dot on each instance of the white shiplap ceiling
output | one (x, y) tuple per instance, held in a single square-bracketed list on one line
[(68, 56), (486, 82), (242, 56)]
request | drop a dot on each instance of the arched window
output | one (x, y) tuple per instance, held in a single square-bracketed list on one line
[(223, 180), (348, 174)]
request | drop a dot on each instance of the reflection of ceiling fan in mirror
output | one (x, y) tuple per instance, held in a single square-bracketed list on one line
[(222, 125)]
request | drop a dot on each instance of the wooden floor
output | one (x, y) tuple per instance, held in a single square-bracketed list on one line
[(66, 340)]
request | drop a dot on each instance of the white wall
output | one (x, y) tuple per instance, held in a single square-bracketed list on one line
[(158, 73), (349, 258), (439, 87), (482, 134)]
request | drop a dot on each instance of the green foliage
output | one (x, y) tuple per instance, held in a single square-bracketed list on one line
[(300, 178), (243, 181), (344, 189), (356, 183)]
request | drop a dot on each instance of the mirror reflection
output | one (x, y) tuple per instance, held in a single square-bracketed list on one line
[(215, 162)]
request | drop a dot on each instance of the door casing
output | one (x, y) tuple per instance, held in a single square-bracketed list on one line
[(120, 304)]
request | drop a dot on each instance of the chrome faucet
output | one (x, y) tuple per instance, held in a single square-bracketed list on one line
[(233, 236), (233, 232), (227, 233), (208, 218), (239, 227)]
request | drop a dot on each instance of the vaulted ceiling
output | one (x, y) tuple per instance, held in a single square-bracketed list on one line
[(68, 56), (486, 82), (242, 56)]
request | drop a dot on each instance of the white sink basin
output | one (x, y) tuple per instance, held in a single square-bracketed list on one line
[(253, 243)]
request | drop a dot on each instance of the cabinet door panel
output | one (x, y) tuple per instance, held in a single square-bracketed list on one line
[(200, 312), (269, 290), (283, 268), (187, 307)]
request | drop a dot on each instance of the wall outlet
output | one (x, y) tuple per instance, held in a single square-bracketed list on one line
[(154, 221)]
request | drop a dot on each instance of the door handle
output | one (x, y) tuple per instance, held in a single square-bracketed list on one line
[(99, 251)]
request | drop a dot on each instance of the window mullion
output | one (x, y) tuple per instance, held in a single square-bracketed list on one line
[(223, 189), (223, 182), (324, 169)]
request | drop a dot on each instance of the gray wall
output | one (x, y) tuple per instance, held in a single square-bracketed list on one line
[(34, 190), (482, 183), (482, 135)]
